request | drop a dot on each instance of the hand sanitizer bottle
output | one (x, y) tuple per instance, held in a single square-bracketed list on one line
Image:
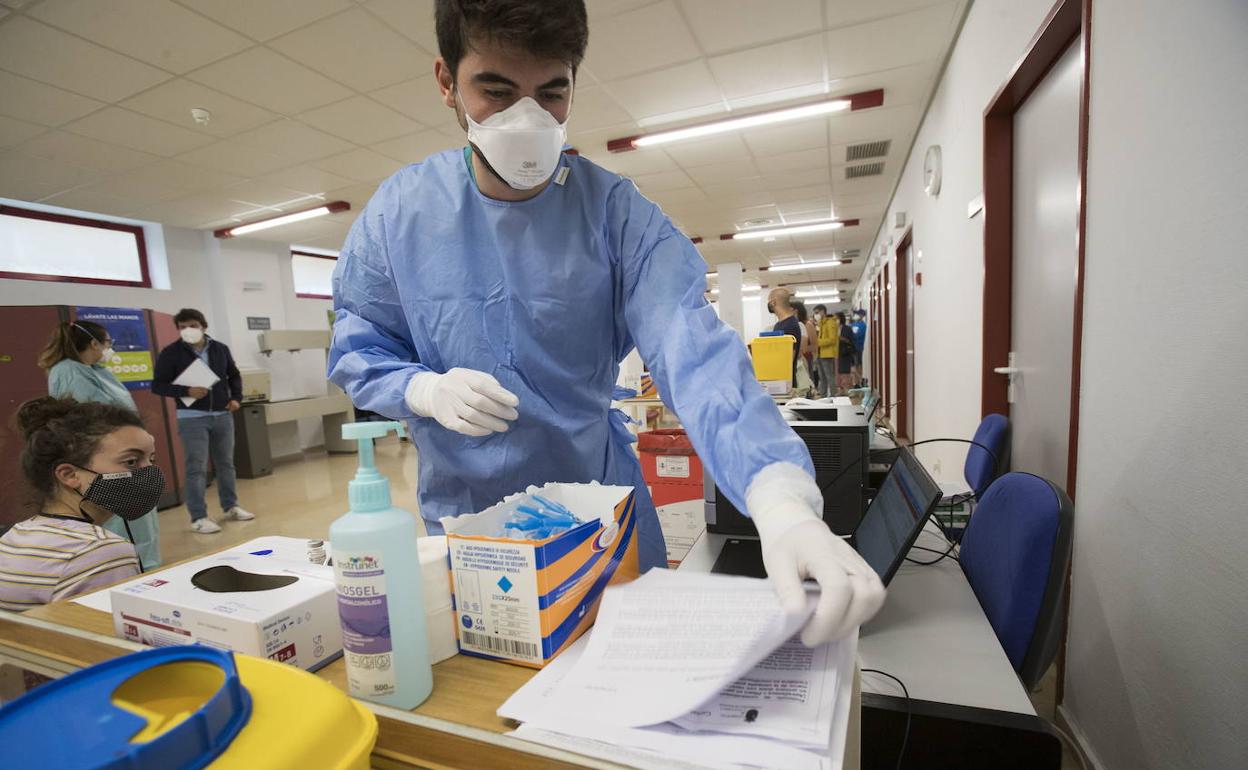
[(377, 575)]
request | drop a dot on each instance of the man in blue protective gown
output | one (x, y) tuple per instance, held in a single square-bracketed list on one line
[(486, 296)]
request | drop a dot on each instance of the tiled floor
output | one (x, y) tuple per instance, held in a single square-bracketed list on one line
[(304, 495), (301, 499)]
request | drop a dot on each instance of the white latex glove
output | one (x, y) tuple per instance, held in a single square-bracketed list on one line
[(797, 545), (463, 400)]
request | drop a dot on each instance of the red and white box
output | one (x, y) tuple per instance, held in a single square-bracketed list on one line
[(673, 473)]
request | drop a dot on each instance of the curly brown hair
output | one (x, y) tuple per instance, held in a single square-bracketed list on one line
[(62, 430)]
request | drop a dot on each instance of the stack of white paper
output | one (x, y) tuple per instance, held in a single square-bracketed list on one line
[(693, 670), (197, 375)]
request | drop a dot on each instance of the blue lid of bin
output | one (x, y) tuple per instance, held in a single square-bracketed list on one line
[(770, 334), (103, 709)]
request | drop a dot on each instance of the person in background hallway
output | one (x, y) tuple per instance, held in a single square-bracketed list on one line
[(845, 357), (207, 425), (805, 361), (829, 339), (779, 305), (860, 342), (62, 551), (75, 359)]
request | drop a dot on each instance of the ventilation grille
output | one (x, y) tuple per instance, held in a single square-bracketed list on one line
[(866, 169), (867, 150), (851, 253)]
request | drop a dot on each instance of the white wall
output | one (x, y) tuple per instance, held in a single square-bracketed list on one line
[(207, 273), (1156, 672), (947, 344)]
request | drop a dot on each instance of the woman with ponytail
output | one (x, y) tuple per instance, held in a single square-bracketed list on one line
[(75, 359)]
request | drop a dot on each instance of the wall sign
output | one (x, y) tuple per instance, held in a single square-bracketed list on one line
[(259, 323), (132, 349)]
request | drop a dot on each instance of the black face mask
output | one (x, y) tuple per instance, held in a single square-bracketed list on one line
[(127, 494), (771, 308)]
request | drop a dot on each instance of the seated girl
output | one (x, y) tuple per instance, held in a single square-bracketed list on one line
[(85, 462)]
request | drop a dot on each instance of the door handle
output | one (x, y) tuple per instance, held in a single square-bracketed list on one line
[(1007, 370), (1011, 371)]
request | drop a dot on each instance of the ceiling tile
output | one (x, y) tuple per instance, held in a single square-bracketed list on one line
[(417, 147), (162, 181), (663, 181), (801, 160), (722, 25), (358, 196), (39, 103), (412, 18), (155, 31), (198, 210), (269, 80), (308, 179), (651, 160), (678, 199), (771, 68), (90, 153), (737, 193), (787, 137), (867, 125), (243, 160), (841, 13), (806, 177), (138, 132), (172, 102), (357, 49), (258, 192), (724, 172), (38, 51), (56, 176), (292, 140), (417, 98), (712, 149), (14, 131), (672, 90), (601, 9), (95, 203), (644, 39), (265, 19), (894, 42), (593, 108), (362, 165), (360, 120)]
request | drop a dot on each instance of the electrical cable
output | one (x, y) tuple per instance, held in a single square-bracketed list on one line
[(905, 738), (130, 535)]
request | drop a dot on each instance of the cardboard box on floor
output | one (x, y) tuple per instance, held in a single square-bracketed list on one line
[(524, 601), (283, 610)]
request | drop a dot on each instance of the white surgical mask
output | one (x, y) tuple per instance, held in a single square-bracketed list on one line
[(191, 335), (106, 355), (522, 143)]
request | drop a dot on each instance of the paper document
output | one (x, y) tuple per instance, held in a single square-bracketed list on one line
[(686, 635), (197, 375), (790, 711)]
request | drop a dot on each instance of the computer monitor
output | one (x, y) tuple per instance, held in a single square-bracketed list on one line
[(896, 515)]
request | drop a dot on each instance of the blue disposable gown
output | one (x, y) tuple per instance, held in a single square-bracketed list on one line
[(548, 295)]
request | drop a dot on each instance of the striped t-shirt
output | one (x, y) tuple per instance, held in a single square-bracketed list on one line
[(46, 559)]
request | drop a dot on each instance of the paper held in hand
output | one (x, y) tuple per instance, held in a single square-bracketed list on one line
[(197, 375), (704, 668)]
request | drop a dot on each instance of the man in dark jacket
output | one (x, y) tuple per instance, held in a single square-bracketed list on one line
[(206, 426)]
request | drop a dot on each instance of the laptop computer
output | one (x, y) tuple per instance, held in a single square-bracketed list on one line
[(890, 526)]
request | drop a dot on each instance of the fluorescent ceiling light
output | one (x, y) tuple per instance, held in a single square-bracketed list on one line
[(332, 207), (745, 121), (833, 298), (745, 290), (823, 293), (795, 230), (803, 266)]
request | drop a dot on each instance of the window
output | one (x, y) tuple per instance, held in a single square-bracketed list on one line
[(313, 274), (42, 246)]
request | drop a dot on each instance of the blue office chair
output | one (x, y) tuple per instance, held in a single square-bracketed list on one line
[(982, 468), (1016, 556)]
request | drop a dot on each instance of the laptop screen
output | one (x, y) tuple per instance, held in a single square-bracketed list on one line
[(896, 515)]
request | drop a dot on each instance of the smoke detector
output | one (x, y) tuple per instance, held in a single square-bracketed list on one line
[(200, 116)]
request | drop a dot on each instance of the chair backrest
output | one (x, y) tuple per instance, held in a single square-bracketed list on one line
[(982, 468), (1016, 556)]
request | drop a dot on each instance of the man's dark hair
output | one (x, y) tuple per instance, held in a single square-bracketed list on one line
[(190, 314), (822, 309), (547, 29), (800, 307)]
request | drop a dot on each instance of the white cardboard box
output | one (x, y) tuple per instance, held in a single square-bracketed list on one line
[(295, 623)]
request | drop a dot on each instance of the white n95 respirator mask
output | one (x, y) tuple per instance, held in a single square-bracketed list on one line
[(191, 336), (521, 143)]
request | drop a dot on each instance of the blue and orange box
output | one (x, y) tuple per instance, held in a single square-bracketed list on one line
[(525, 601)]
